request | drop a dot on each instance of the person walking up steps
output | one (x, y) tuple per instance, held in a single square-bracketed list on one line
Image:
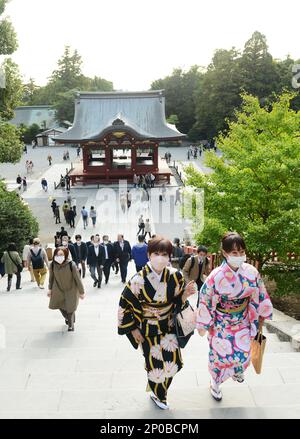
[(39, 260), (12, 265), (26, 251), (233, 301), (145, 314), (141, 226), (85, 217), (65, 286), (93, 216), (122, 252), (109, 257), (96, 261)]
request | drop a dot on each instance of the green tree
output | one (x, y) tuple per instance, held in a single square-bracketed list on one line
[(173, 119), (259, 74), (255, 186), (30, 93), (30, 133), (8, 36), (218, 94), (17, 222), (11, 95), (180, 90), (11, 147)]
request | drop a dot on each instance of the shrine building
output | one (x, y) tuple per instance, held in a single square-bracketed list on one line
[(119, 133)]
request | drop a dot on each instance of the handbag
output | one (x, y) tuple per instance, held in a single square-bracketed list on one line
[(19, 266), (184, 322), (257, 349)]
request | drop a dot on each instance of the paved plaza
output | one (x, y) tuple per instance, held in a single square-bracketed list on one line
[(46, 372)]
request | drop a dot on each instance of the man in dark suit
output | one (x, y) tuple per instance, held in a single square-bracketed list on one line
[(109, 257), (81, 250), (122, 251), (66, 242), (96, 261)]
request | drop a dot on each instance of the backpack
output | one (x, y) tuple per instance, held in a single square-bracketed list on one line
[(182, 261), (37, 260)]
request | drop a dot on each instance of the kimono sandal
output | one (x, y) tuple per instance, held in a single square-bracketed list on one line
[(160, 404), (216, 393), (239, 378)]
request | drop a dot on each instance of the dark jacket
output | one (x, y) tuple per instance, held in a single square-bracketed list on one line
[(125, 254), (110, 251), (81, 252), (94, 260), (72, 251)]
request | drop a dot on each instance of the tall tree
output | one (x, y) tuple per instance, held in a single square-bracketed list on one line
[(11, 95), (180, 90), (218, 94), (8, 36), (259, 74), (255, 186), (10, 92)]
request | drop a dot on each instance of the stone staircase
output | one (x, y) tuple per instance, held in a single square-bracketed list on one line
[(46, 372)]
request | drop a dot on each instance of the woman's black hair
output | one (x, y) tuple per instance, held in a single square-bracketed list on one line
[(232, 241), (12, 247)]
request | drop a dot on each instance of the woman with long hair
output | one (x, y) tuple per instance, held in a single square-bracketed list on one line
[(233, 300)]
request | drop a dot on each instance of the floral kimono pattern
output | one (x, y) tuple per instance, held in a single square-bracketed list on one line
[(242, 293), (150, 309)]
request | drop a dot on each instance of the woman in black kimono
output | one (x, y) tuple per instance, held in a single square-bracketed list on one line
[(146, 316)]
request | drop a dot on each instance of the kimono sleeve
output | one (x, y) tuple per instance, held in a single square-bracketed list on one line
[(208, 299), (179, 289), (264, 305), (126, 312)]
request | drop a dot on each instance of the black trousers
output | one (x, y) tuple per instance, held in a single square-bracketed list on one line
[(9, 280), (72, 223), (106, 270), (199, 285), (123, 269)]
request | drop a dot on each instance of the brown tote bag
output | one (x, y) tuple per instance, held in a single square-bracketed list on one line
[(257, 349)]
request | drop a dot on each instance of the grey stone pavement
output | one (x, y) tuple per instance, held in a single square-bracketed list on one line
[(46, 372)]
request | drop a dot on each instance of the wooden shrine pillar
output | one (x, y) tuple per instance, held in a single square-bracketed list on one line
[(133, 157), (155, 157)]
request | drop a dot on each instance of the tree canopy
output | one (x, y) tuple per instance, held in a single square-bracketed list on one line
[(254, 188), (16, 219), (205, 99), (11, 90), (63, 85)]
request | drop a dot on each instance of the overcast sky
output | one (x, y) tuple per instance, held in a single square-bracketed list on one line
[(133, 42)]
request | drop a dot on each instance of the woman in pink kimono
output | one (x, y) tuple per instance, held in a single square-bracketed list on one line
[(232, 301)]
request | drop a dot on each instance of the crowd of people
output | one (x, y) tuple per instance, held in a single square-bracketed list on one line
[(232, 299), (196, 150)]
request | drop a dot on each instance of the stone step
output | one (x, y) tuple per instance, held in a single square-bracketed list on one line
[(79, 401)]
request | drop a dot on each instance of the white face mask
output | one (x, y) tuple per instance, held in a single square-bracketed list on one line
[(65, 244), (105, 242), (159, 262), (236, 261), (78, 242), (59, 259)]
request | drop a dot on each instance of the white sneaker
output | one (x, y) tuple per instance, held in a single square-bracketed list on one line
[(41, 287), (160, 404)]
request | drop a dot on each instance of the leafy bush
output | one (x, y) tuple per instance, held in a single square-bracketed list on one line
[(17, 223)]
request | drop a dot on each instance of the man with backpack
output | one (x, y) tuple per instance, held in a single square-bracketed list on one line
[(37, 256), (197, 267)]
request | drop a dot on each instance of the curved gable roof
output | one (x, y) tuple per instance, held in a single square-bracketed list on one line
[(142, 113)]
